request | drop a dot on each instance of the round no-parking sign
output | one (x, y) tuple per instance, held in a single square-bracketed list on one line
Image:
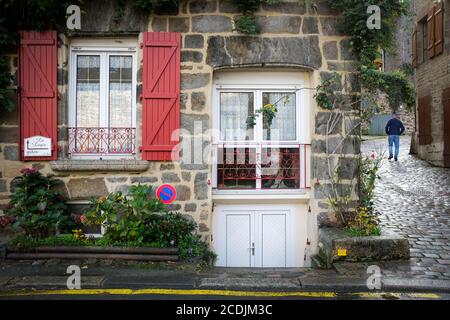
[(166, 193)]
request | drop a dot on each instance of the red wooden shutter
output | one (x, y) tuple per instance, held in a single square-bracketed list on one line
[(425, 136), (414, 48), (439, 29), (446, 105), (38, 88), (431, 25), (161, 96)]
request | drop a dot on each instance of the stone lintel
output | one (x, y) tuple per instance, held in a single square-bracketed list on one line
[(100, 165)]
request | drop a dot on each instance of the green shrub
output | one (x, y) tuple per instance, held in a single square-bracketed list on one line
[(141, 220), (36, 207), (25, 241)]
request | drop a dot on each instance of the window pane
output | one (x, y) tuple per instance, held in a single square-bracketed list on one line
[(120, 91), (283, 126), (235, 108), (280, 168), (88, 91), (236, 168)]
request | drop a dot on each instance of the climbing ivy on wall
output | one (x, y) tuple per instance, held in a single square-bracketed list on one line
[(366, 45)]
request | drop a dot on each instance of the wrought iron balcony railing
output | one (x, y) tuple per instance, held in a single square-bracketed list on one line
[(101, 141)]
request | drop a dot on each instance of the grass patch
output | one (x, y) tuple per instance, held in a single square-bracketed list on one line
[(25, 242), (358, 232)]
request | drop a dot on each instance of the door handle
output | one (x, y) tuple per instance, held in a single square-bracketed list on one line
[(253, 248)]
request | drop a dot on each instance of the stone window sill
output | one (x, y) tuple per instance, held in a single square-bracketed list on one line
[(100, 165)]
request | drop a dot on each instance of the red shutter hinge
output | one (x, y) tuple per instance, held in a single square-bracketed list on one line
[(309, 209), (141, 45), (308, 243)]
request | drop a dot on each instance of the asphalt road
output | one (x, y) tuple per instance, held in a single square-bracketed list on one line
[(197, 295)]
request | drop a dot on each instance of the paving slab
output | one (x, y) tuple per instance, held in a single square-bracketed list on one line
[(53, 281), (414, 284), (178, 281), (248, 283)]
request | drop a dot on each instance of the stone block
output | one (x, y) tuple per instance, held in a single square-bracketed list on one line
[(228, 6), (238, 50), (183, 100), (201, 186), (330, 50), (194, 80), (117, 179), (166, 166), (178, 24), (211, 24), (310, 25), (201, 6), (324, 124), (186, 176), (279, 24), (84, 188), (190, 207), (194, 41), (198, 101), (9, 134), (330, 26), (10, 118), (183, 193), (170, 177), (296, 7), (364, 249), (12, 169), (191, 56), (320, 168), (348, 168), (144, 180), (346, 50), (159, 24), (11, 152), (3, 185)]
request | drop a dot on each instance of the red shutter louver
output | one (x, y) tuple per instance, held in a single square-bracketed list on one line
[(38, 88), (161, 96), (414, 48), (439, 29), (431, 27)]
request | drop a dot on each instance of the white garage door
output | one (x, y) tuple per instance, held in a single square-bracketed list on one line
[(260, 238)]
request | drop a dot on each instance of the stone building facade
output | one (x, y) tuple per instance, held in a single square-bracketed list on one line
[(296, 41), (432, 73)]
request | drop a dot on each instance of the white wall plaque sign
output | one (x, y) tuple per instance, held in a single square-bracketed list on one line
[(38, 146)]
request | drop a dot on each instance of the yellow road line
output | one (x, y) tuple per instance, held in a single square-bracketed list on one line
[(229, 293), (172, 292)]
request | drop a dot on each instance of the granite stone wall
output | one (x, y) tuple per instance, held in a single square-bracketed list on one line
[(293, 36)]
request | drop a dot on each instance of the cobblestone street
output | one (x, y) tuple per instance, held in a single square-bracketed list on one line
[(413, 199)]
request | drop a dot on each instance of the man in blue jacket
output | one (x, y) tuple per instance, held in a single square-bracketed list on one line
[(394, 129)]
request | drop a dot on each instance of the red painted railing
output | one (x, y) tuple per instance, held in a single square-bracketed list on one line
[(102, 140), (263, 167)]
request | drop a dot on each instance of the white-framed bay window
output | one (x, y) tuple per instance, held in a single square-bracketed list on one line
[(102, 99), (251, 151)]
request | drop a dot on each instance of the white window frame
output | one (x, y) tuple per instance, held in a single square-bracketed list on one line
[(104, 48), (302, 129)]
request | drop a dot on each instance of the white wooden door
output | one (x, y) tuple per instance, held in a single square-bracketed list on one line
[(272, 244), (239, 240)]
